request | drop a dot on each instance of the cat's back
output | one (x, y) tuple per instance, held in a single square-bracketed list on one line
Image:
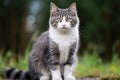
[(42, 41), (43, 37), (41, 44), (39, 47)]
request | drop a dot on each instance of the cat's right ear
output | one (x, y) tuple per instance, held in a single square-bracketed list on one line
[(73, 7), (53, 7)]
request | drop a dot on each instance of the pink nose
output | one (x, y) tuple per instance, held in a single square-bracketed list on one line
[(63, 25)]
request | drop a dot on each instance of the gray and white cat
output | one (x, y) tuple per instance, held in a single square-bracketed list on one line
[(55, 52)]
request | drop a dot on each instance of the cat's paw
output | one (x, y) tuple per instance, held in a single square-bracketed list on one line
[(56, 78), (70, 77), (44, 78)]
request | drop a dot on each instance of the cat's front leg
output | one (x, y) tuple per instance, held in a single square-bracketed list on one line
[(53, 61), (55, 73), (68, 73), (45, 75), (44, 78), (70, 64)]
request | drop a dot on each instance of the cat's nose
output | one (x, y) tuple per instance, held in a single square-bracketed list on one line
[(63, 25)]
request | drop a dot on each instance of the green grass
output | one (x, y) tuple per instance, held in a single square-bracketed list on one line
[(92, 65), (88, 65), (10, 61)]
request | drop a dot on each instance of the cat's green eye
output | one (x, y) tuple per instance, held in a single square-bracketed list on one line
[(59, 20), (69, 19), (68, 16)]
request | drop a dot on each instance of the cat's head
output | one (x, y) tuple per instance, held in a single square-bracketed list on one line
[(63, 19)]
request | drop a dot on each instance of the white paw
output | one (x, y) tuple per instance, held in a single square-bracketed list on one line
[(44, 78), (56, 78), (69, 77)]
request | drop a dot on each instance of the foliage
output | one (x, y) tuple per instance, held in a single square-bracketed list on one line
[(10, 61), (88, 65)]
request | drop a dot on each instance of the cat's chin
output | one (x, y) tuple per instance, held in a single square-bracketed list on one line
[(64, 30)]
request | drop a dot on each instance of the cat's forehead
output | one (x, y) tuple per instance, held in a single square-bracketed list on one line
[(64, 12)]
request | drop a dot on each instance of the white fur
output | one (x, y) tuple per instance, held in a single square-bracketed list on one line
[(68, 73), (45, 75), (44, 78), (56, 74), (68, 69), (64, 39)]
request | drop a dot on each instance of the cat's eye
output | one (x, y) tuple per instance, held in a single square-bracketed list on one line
[(68, 16), (59, 20), (69, 19)]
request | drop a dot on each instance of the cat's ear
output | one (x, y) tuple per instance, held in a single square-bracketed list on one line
[(53, 7), (73, 7)]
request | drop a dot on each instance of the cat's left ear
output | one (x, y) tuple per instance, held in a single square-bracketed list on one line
[(73, 7)]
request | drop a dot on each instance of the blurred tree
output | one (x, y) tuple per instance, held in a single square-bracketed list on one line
[(101, 22), (12, 25)]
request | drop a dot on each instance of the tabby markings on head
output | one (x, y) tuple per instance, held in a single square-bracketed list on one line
[(63, 18)]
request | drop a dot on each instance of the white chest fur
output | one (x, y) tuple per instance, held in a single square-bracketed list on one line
[(64, 42), (64, 45)]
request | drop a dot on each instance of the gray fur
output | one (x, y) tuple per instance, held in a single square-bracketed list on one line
[(45, 55)]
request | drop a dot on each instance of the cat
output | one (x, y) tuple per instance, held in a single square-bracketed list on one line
[(54, 55)]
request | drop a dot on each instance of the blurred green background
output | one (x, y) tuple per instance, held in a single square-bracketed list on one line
[(22, 21)]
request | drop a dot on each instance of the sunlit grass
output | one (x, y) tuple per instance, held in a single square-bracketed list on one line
[(92, 65)]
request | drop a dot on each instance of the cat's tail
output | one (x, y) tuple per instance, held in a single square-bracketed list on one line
[(12, 73)]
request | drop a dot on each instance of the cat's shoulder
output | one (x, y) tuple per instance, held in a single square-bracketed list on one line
[(44, 35), (42, 40)]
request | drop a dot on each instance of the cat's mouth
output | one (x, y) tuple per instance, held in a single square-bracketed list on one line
[(64, 29)]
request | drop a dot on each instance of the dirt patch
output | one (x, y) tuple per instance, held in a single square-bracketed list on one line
[(106, 78), (89, 78)]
